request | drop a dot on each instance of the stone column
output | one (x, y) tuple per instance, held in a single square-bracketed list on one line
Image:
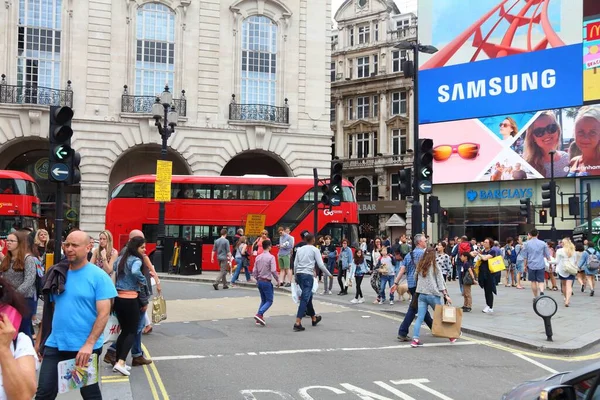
[(93, 201), (340, 143), (384, 146)]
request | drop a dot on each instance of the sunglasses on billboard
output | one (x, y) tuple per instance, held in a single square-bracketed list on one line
[(540, 132), (466, 151)]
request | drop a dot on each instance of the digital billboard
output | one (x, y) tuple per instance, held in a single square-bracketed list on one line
[(516, 146), (591, 51), (499, 57)]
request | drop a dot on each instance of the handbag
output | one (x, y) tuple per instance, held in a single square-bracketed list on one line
[(570, 268), (112, 329), (159, 309), (496, 264), (467, 279)]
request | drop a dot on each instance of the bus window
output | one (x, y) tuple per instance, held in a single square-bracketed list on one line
[(348, 194), (201, 232), (339, 232), (134, 190), (7, 186), (255, 192), (172, 231), (201, 191)]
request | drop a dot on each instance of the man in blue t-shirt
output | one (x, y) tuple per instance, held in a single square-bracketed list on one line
[(80, 315)]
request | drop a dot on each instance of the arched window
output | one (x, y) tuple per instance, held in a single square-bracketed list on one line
[(39, 43), (259, 61), (155, 49), (363, 190)]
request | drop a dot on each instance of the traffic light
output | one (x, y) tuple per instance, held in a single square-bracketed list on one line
[(64, 162), (549, 197), (443, 216), (405, 181), (424, 173), (525, 208), (335, 183), (325, 197), (574, 205), (433, 207), (543, 217)]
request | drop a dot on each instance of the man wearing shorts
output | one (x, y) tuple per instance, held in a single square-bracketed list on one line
[(286, 244), (533, 262)]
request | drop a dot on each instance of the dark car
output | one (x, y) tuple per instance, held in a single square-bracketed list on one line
[(577, 385)]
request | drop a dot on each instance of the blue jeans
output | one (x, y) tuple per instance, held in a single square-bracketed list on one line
[(330, 268), (238, 269), (266, 296), (306, 306), (26, 326), (136, 349), (48, 380), (410, 316), (389, 279), (425, 300)]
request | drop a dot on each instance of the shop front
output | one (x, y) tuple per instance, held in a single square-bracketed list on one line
[(492, 209), (379, 218)]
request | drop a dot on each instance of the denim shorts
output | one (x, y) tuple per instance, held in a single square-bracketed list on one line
[(535, 275)]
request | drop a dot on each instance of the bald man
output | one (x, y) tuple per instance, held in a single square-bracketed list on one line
[(80, 315)]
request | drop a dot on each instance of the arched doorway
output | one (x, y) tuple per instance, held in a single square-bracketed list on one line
[(141, 160), (30, 155), (256, 163)]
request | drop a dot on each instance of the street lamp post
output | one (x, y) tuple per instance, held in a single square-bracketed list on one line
[(163, 109), (416, 47)]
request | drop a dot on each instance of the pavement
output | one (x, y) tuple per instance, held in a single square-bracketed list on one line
[(513, 321), (210, 348)]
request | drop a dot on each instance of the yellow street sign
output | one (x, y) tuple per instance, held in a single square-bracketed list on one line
[(162, 191), (164, 171), (255, 223)]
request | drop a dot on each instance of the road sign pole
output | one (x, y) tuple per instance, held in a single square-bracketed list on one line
[(58, 222), (316, 202)]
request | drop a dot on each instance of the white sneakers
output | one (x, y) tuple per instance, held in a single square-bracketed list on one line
[(354, 301), (391, 302), (121, 370), (488, 310), (361, 300)]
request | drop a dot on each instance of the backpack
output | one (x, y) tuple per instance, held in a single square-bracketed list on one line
[(593, 262), (512, 257), (464, 247)]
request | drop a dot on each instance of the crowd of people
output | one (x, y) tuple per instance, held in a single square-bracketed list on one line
[(79, 292)]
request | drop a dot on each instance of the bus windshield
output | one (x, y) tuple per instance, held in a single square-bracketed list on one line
[(18, 186), (12, 223)]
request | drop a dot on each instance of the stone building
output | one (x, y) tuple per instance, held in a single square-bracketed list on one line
[(249, 80), (371, 107)]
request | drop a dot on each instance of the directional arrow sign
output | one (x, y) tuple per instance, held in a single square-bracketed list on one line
[(335, 201), (60, 172), (62, 152), (335, 189), (425, 187), (425, 173)]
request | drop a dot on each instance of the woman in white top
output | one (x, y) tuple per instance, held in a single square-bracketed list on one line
[(566, 258)]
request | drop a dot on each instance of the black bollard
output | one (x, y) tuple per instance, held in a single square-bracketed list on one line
[(546, 307)]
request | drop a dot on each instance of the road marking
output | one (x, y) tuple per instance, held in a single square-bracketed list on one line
[(119, 380), (501, 347), (159, 381), (536, 363), (419, 383), (305, 351), (151, 383)]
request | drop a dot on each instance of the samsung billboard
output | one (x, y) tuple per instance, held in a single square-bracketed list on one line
[(507, 87)]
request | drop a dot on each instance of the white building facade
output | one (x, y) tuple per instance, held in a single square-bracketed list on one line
[(371, 102), (249, 79)]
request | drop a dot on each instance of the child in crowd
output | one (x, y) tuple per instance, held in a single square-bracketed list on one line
[(387, 273), (468, 277)]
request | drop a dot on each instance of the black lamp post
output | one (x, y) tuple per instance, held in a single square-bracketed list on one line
[(163, 109), (416, 47)]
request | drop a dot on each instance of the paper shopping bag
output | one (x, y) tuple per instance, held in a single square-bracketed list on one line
[(496, 264), (445, 329), (159, 309)]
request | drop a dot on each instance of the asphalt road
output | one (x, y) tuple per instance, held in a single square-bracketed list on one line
[(210, 348)]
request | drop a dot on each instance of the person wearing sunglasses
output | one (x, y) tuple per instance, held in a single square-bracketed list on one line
[(543, 136), (587, 142), (508, 128)]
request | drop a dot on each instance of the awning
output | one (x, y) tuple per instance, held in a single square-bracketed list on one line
[(395, 220)]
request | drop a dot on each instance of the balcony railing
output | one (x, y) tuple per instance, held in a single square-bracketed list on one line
[(33, 94), (259, 112), (143, 104), (379, 161)]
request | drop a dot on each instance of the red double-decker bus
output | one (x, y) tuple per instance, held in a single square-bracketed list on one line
[(202, 205), (19, 202)]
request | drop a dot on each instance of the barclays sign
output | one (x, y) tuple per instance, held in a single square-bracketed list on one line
[(499, 194)]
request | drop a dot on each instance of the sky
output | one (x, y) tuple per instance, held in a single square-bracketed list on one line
[(403, 5)]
